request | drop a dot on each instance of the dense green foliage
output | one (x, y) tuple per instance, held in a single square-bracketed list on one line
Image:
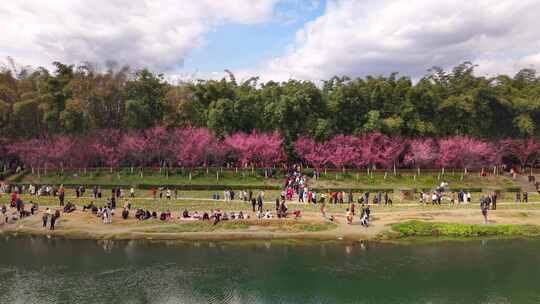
[(76, 99), (427, 229)]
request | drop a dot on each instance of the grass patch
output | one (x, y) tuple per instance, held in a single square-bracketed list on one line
[(417, 228), (248, 178), (256, 225)]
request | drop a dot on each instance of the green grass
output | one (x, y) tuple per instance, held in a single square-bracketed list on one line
[(126, 178), (410, 180), (208, 204), (266, 225), (249, 178), (416, 228)]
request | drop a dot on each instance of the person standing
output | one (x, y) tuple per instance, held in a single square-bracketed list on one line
[(45, 218), (53, 221), (253, 203), (494, 201), (525, 197), (484, 209), (61, 195), (260, 202), (132, 192)]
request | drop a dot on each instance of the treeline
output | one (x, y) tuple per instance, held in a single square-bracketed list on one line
[(191, 147), (73, 100)]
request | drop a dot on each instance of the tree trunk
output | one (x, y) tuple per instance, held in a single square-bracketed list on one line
[(217, 175)]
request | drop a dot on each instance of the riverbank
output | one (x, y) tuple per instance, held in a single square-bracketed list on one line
[(386, 225)]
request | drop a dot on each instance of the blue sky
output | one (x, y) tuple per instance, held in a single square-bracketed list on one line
[(244, 46), (275, 39)]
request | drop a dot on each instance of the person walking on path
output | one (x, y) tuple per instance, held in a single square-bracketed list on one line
[(484, 208)]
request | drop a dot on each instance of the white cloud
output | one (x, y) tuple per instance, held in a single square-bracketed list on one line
[(357, 38), (157, 34)]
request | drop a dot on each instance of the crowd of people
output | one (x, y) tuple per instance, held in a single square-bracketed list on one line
[(295, 188)]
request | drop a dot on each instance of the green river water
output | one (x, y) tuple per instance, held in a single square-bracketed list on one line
[(41, 270)]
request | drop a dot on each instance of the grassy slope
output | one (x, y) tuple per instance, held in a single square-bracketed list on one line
[(248, 178)]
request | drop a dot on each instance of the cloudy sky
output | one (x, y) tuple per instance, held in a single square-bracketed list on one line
[(275, 39)]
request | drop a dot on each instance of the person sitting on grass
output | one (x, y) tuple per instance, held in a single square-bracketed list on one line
[(240, 215), (196, 215), (185, 214), (225, 216), (139, 214), (163, 216), (69, 207), (267, 214), (297, 214), (125, 214), (216, 216), (205, 216), (89, 206)]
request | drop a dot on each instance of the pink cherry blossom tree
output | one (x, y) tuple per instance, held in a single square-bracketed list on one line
[(313, 153), (59, 150), (157, 142), (105, 147), (191, 147), (256, 149), (525, 150), (133, 149), (421, 153), (465, 152), (342, 151)]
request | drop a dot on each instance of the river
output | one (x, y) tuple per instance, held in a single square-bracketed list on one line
[(41, 270)]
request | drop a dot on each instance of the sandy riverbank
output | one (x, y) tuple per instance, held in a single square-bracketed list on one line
[(84, 225)]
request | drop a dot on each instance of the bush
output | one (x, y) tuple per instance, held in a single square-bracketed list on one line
[(427, 229)]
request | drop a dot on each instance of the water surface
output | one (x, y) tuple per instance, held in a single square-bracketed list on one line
[(40, 270)]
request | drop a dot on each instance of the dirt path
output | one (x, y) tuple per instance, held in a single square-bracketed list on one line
[(87, 226)]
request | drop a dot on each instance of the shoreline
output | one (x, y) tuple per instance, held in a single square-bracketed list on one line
[(416, 226)]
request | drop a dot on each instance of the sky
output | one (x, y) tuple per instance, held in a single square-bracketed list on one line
[(275, 39)]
